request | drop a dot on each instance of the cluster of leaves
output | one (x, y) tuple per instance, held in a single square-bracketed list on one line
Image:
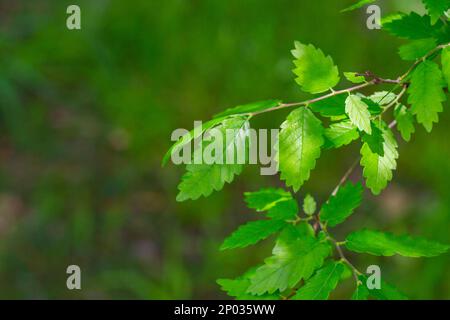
[(303, 256), (302, 264)]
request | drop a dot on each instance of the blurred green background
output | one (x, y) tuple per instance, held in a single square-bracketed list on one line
[(86, 116)]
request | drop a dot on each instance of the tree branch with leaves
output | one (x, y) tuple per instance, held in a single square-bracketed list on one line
[(307, 262)]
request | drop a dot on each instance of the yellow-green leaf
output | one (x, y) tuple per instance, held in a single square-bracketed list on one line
[(315, 72), (298, 147), (358, 112), (378, 169)]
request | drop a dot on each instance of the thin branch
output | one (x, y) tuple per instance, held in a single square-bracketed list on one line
[(392, 124), (355, 271), (397, 99), (329, 95), (345, 177)]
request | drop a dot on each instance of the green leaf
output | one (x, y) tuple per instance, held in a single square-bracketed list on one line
[(330, 107), (416, 49), (339, 207), (445, 59), (375, 141), (250, 108), (320, 285), (391, 17), (383, 98), (387, 244), (405, 122), (347, 273), (374, 107), (315, 72), (358, 113), (203, 179), (410, 26), (238, 288), (296, 255), (279, 203), (191, 135), (443, 34), (340, 134), (309, 205), (361, 292), (251, 233), (386, 292), (265, 199), (284, 210), (298, 147), (426, 93), (358, 5), (354, 78), (436, 8), (378, 169)]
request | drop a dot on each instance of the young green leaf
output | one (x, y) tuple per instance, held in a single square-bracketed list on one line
[(361, 292), (387, 244), (284, 210), (203, 179), (358, 5), (265, 199), (410, 26), (391, 17), (298, 147), (315, 72), (340, 134), (296, 255), (330, 107), (309, 205), (386, 292), (341, 206), (374, 107), (383, 98), (354, 78), (279, 203), (238, 288), (347, 273), (375, 141), (320, 285), (426, 93), (436, 8), (358, 113), (405, 122), (445, 59), (250, 108), (378, 169), (416, 49), (251, 233)]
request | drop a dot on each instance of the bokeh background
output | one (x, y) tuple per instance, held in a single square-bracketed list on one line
[(86, 116)]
